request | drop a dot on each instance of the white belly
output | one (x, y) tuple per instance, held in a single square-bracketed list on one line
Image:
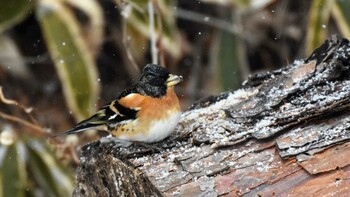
[(158, 130)]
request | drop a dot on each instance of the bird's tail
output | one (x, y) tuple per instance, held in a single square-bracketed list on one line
[(91, 123), (78, 129)]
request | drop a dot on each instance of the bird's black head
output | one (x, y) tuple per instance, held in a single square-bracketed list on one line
[(155, 79), (154, 75)]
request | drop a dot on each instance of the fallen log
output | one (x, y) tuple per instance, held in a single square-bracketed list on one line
[(285, 132)]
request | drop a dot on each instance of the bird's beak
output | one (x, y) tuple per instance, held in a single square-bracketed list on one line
[(173, 80)]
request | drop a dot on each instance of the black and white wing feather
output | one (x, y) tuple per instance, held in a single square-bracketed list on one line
[(109, 116)]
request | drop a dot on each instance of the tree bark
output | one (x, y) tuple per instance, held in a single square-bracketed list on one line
[(285, 132), (104, 172)]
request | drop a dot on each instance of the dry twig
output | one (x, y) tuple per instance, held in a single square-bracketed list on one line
[(36, 128)]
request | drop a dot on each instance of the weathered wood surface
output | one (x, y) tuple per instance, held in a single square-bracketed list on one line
[(286, 132)]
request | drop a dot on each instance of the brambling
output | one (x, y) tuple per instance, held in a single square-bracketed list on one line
[(146, 112)]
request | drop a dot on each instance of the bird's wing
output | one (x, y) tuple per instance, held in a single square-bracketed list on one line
[(121, 110), (111, 114)]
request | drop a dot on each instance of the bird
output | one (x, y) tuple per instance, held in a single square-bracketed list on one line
[(146, 112)]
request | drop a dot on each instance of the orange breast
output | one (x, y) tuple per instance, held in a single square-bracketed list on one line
[(150, 110)]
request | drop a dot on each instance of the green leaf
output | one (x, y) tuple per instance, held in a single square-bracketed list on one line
[(13, 173), (11, 58), (50, 176), (229, 60), (94, 29), (342, 17), (12, 12), (28, 168), (319, 14), (73, 60)]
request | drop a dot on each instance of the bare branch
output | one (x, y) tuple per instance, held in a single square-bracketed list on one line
[(35, 126), (5, 100), (160, 15), (125, 41), (154, 50), (204, 19)]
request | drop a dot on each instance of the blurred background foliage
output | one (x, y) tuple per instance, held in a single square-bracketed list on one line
[(62, 59)]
